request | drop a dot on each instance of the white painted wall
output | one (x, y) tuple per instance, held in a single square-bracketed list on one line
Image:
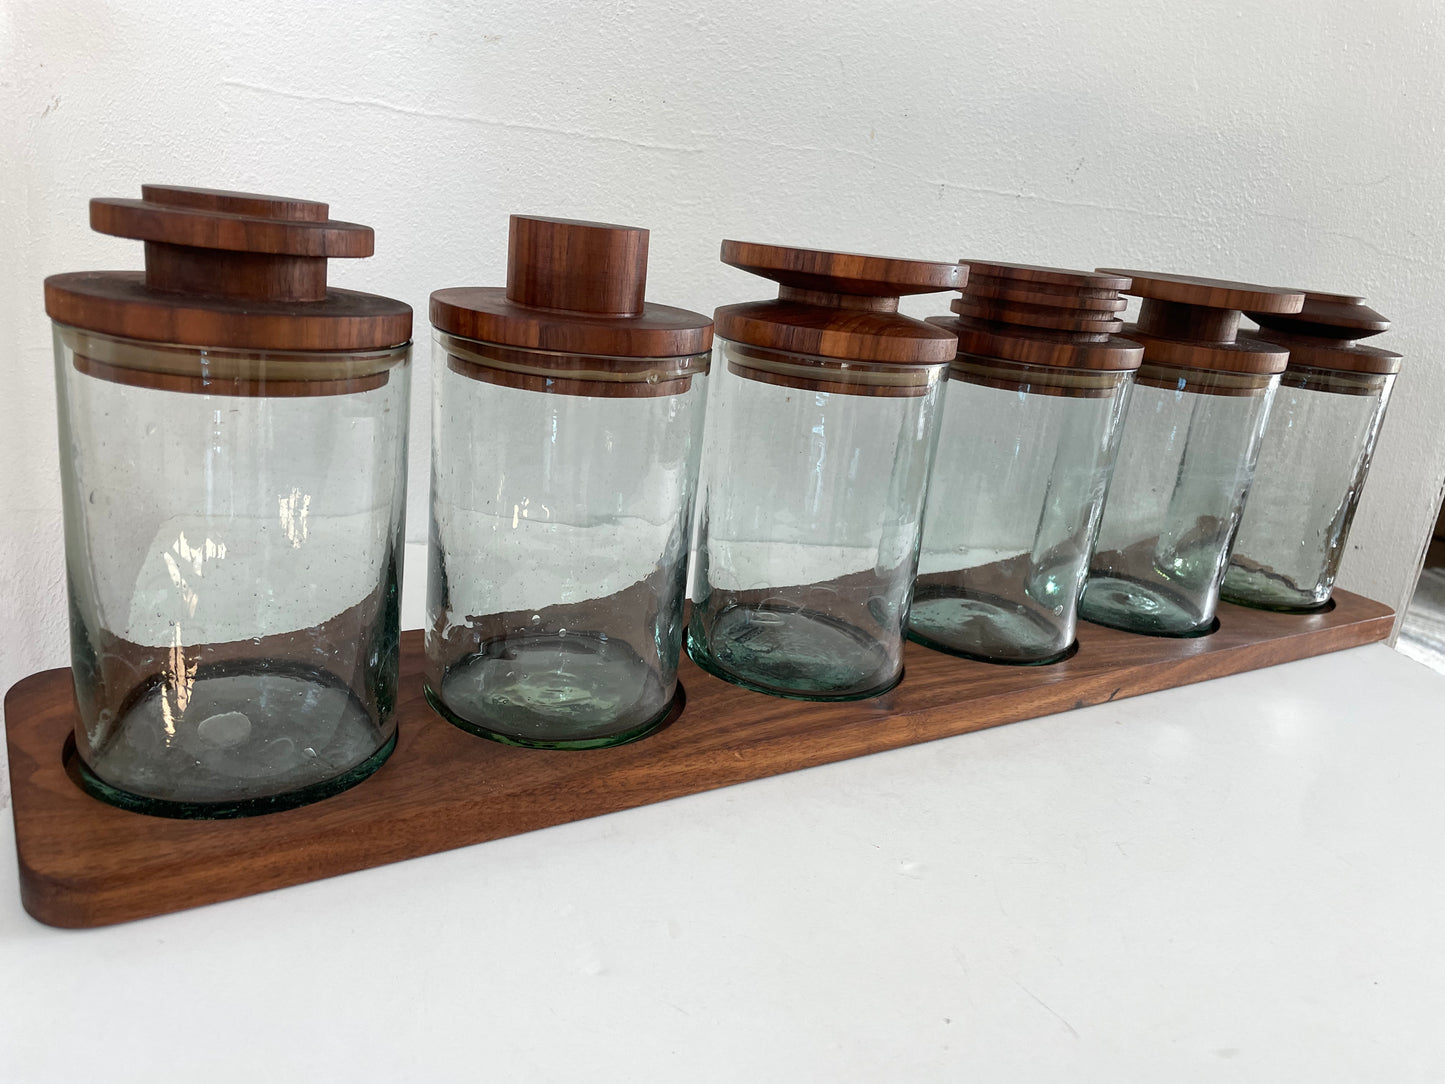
[(1293, 143)]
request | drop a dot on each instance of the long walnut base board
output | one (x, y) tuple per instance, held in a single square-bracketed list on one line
[(83, 863)]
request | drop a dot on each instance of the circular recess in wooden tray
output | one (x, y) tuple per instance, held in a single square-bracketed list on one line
[(573, 287), (228, 269), (1325, 334), (838, 305), (1048, 316), (1193, 323)]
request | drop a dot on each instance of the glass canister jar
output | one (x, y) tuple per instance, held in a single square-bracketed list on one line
[(1025, 451), (819, 440), (233, 454), (1315, 453), (1186, 453), (566, 430)]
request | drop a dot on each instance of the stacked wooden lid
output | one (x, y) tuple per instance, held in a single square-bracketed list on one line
[(1325, 334), (573, 318), (233, 299), (228, 269), (835, 324), (1193, 323), (1041, 316)]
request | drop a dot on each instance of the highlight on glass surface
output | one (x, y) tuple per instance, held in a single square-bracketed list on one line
[(567, 424), (233, 452), (1186, 453), (1315, 455), (1026, 448), (819, 439)]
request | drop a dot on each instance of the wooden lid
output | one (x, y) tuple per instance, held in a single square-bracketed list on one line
[(838, 305), (1047, 316), (1193, 323), (228, 269), (1325, 334), (572, 287)]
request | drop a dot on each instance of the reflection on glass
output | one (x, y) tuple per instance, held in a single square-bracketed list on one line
[(232, 562)]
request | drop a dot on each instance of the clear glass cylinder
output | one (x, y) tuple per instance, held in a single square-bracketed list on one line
[(1312, 466), (1186, 458), (561, 503), (233, 541), (1025, 454), (811, 505)]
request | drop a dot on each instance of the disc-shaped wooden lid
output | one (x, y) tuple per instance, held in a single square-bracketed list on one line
[(1325, 334), (575, 287), (1193, 323), (838, 305), (228, 269), (1042, 316)]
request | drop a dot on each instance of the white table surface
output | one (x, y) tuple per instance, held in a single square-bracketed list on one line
[(1241, 880)]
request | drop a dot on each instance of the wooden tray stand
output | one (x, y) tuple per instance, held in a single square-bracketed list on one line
[(84, 863)]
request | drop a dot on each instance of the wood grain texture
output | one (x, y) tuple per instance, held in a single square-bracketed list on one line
[(1032, 346), (1193, 323), (571, 266), (1036, 273), (1325, 334), (484, 314), (837, 306), (1024, 314), (846, 334), (83, 863), (1245, 354), (848, 273), (119, 303), (1209, 293), (1041, 316), (228, 269), (573, 287)]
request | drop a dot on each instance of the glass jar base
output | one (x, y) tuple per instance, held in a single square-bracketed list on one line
[(793, 653), (974, 625), (245, 738), (1117, 602), (1261, 590), (579, 691)]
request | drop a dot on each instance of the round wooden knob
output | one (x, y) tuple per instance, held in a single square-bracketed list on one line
[(572, 287), (570, 266)]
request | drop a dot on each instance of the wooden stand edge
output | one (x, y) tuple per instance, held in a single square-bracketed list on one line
[(83, 863)]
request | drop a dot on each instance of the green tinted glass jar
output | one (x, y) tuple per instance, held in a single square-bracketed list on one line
[(233, 462), (819, 438), (1026, 448), (1186, 454), (1315, 454), (567, 426)]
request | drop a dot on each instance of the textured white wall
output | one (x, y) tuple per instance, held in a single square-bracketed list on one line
[(1292, 143)]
